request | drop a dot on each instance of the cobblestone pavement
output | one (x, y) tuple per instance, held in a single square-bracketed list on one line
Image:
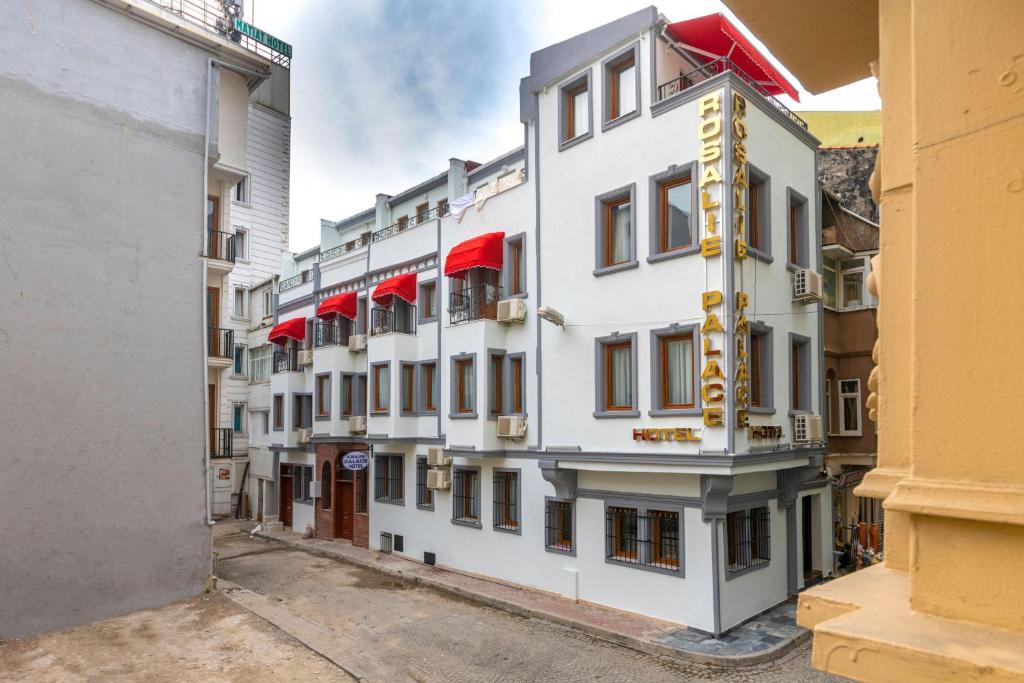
[(384, 630)]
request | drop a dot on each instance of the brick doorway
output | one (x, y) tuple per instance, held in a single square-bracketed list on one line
[(341, 510)]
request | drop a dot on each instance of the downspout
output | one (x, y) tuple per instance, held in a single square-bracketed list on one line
[(439, 307), (536, 240), (207, 466)]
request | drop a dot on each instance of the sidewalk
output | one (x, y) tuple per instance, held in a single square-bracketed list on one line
[(764, 638)]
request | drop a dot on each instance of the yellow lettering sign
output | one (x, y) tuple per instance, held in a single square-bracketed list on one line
[(712, 102), (713, 417), (709, 299), (710, 246)]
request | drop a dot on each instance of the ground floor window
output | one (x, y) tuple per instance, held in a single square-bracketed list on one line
[(648, 538), (506, 500), (748, 538), (302, 475), (424, 496), (388, 479), (466, 496), (558, 525)]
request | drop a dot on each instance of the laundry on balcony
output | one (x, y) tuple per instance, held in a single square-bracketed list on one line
[(457, 207)]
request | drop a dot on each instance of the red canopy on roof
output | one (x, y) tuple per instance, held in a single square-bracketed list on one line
[(340, 304), (289, 329), (485, 251), (403, 286), (712, 37)]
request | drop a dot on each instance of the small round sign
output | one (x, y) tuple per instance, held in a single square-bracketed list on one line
[(355, 460)]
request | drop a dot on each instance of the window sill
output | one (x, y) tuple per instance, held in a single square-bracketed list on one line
[(761, 256), (676, 412), (390, 502), (760, 410), (462, 416), (560, 551), (521, 295), (234, 376), (636, 565), (381, 413), (618, 267), (322, 418), (608, 125), (428, 508), (602, 414), (794, 413), (675, 253), (793, 267), (424, 321), (740, 572), (566, 144), (468, 522), (517, 531), (235, 202)]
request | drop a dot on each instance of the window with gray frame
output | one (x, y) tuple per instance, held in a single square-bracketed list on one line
[(673, 202), (761, 374), (506, 500), (748, 539), (466, 496), (428, 297), (621, 87), (575, 105), (389, 479), (424, 496), (495, 383), (615, 230), (302, 411), (799, 373), (407, 382), (427, 383), (796, 241), (514, 268), (380, 378), (463, 386), (515, 383), (323, 396), (674, 364), (644, 536), (759, 211), (615, 383), (559, 526), (348, 395), (278, 410)]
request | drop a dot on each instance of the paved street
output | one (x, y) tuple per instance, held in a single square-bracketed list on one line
[(384, 630)]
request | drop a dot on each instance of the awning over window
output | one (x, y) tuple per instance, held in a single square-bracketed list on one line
[(289, 329), (340, 304), (712, 37), (403, 286), (485, 251)]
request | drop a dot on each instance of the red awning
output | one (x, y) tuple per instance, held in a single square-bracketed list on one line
[(289, 329), (712, 37), (485, 251), (340, 304), (402, 286)]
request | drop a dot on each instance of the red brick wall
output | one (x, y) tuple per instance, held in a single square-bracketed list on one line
[(361, 531), (324, 526)]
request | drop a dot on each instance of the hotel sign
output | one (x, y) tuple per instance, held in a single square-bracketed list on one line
[(663, 434), (263, 37), (712, 332), (765, 432)]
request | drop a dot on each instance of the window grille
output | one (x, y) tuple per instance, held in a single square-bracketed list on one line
[(387, 471), (748, 534), (648, 540), (466, 496), (424, 496), (506, 500), (558, 525)]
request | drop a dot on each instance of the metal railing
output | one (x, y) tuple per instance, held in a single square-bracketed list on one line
[(220, 343), (331, 333), (403, 225), (335, 252), (295, 281), (286, 360), (721, 65), (220, 442), (748, 539), (210, 15), (650, 540), (479, 302), (220, 245), (401, 318)]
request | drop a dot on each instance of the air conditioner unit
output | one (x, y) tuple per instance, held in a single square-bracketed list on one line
[(807, 429), (305, 357), (807, 286), (438, 480), (511, 311), (305, 435), (357, 343), (512, 426), (357, 424), (437, 458)]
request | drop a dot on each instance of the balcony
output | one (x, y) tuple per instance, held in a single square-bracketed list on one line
[(400, 319), (295, 281), (479, 302), (331, 333), (220, 347), (220, 442), (220, 250), (711, 69), (286, 360)]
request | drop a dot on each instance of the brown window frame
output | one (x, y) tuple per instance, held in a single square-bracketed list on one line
[(663, 342), (608, 205), (460, 379), (377, 408), (278, 410), (408, 382), (663, 188), (347, 401), (430, 299), (515, 263), (755, 370), (403, 223), (556, 513), (321, 409), (497, 367), (442, 207), (654, 519), (326, 479), (794, 227), (619, 514), (608, 349), (615, 71), (506, 514), (570, 109), (516, 372), (754, 215), (794, 372), (429, 373), (421, 212)]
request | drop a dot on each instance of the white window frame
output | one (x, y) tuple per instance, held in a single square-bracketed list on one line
[(268, 302), (841, 284), (246, 199), (244, 419), (843, 395), (255, 376), (243, 253), (240, 293), (835, 271), (245, 361)]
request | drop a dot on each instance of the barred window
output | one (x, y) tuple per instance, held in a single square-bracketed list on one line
[(424, 496), (506, 500), (647, 538), (749, 538), (466, 496), (388, 480), (558, 525)]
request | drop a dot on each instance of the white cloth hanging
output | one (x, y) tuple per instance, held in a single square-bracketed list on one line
[(457, 207), (486, 192)]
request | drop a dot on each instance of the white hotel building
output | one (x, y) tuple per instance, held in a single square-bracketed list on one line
[(591, 366)]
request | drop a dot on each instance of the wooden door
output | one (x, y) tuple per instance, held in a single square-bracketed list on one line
[(285, 489), (807, 536), (213, 319), (346, 509), (211, 400), (213, 226)]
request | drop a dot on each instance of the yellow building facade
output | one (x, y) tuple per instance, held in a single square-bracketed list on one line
[(948, 602)]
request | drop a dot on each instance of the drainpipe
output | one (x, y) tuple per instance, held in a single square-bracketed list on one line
[(207, 466)]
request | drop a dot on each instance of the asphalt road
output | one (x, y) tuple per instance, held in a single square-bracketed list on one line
[(381, 630)]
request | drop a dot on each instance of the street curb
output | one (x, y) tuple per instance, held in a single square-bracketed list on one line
[(646, 646)]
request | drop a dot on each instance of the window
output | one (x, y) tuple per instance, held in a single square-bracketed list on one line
[(381, 387), (238, 418), (428, 387), (326, 479), (672, 217), (617, 231), (620, 86), (827, 418), (408, 381), (424, 496), (830, 271), (213, 213), (758, 211), (849, 407), (622, 534), (676, 367), (278, 409), (302, 411), (421, 212), (238, 360), (517, 382), (323, 395), (403, 223), (616, 380), (853, 283), (268, 302), (748, 534), (360, 394), (241, 243), (362, 315), (466, 496), (428, 299), (463, 386), (259, 363), (302, 476), (576, 109), (558, 525), (347, 396), (241, 191), (388, 479), (797, 234), (760, 354), (442, 207), (799, 373), (644, 538), (496, 385), (515, 266), (239, 309), (506, 500)]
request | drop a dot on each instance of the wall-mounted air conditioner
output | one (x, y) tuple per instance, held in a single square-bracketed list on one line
[(357, 424), (437, 458), (511, 426), (807, 286), (807, 429), (357, 343), (511, 311), (305, 357), (438, 480), (305, 436)]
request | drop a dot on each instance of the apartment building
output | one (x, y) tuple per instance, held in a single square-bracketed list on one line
[(113, 149), (591, 366)]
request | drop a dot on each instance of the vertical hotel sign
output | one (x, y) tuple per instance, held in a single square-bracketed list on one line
[(712, 332), (741, 379)]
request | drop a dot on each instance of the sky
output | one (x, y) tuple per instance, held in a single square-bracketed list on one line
[(384, 92)]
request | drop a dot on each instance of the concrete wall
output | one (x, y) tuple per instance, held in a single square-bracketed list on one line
[(102, 492)]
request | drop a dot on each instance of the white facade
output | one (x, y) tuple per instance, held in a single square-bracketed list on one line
[(706, 529)]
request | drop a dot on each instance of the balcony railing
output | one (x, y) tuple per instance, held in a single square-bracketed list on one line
[(220, 245), (220, 343), (411, 222), (400, 319), (479, 302), (220, 442), (331, 333), (294, 281), (335, 252), (681, 83), (286, 360)]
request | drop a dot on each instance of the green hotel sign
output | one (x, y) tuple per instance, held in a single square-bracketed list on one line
[(263, 37)]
